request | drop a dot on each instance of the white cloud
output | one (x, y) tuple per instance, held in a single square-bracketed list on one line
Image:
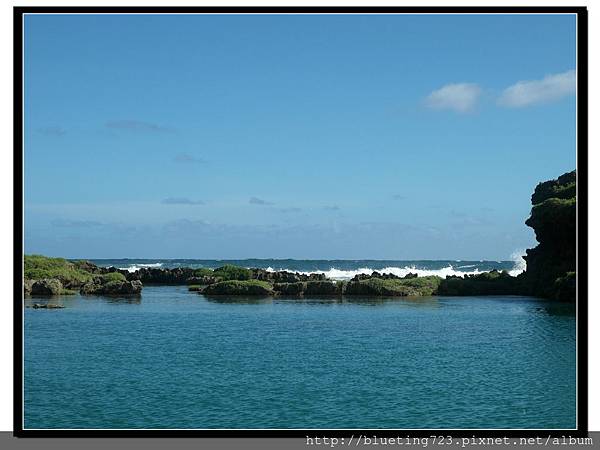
[(459, 97), (549, 88)]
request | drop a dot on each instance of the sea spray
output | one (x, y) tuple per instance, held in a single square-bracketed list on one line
[(520, 265)]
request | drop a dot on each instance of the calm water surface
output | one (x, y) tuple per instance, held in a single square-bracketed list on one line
[(174, 359)]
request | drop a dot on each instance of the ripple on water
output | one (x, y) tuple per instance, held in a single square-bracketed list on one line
[(177, 360)]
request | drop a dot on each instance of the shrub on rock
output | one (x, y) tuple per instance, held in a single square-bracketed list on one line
[(418, 286), (239, 287)]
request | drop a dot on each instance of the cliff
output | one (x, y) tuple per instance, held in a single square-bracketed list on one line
[(551, 265)]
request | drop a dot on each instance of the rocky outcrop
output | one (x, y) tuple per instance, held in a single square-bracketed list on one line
[(111, 288), (45, 306), (283, 276), (240, 288), (46, 287), (487, 283), (204, 277), (290, 289), (326, 288), (551, 265), (27, 285), (393, 287), (153, 275)]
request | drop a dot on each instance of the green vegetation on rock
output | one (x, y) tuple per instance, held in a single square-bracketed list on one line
[(230, 272), (551, 265), (564, 187), (417, 286), (204, 272), (239, 287), (112, 276), (38, 267), (46, 276)]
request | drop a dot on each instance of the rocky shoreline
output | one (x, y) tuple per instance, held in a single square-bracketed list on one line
[(550, 269)]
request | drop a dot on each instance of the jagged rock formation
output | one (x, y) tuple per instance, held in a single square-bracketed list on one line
[(99, 286), (46, 287), (551, 265), (487, 283)]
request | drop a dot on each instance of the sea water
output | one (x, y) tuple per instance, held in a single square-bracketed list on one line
[(176, 359)]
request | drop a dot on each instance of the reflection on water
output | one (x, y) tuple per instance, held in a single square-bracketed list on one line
[(243, 300), (130, 299), (69, 300), (556, 309), (422, 302)]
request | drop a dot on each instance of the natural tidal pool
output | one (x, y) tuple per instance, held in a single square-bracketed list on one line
[(174, 359)]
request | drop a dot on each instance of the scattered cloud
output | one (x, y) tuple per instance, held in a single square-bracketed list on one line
[(331, 208), (259, 201), (460, 97), (550, 88), (399, 197), (186, 158), (52, 131), (66, 223), (136, 125), (181, 201)]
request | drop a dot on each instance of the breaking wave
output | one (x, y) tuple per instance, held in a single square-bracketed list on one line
[(136, 267), (519, 263), (337, 274)]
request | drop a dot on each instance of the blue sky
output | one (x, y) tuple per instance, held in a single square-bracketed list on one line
[(340, 136)]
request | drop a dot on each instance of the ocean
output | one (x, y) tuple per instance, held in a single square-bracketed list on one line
[(335, 268), (176, 359)]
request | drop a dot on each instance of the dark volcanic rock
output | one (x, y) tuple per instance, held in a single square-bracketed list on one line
[(487, 283), (46, 306), (551, 265), (46, 287), (383, 276), (553, 219), (322, 288), (204, 280), (88, 267), (284, 276), (153, 275), (292, 289), (310, 288)]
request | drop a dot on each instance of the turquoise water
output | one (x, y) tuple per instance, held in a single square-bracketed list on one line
[(174, 359)]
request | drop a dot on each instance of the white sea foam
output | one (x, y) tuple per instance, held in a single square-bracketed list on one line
[(338, 274), (520, 263), (136, 267)]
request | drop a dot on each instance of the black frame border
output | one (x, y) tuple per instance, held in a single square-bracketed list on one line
[(582, 222)]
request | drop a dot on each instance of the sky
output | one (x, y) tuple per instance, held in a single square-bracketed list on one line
[(293, 136)]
